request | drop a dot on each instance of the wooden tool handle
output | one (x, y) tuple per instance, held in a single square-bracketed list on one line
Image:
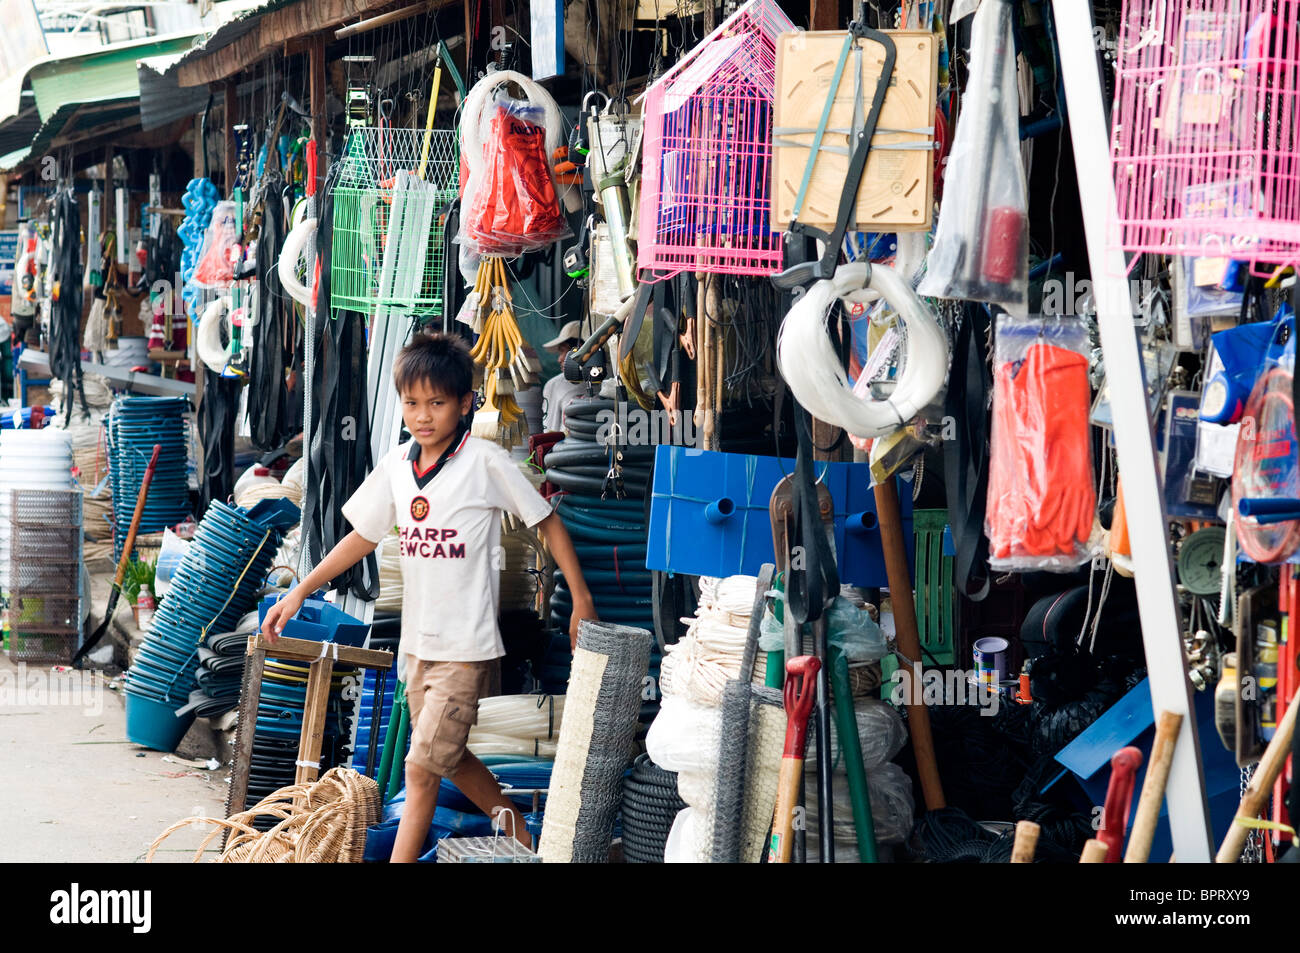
[(1153, 788), (1022, 852), (893, 545), (787, 798), (1256, 796), (129, 545), (1094, 852)]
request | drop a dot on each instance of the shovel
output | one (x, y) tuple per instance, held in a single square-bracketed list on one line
[(127, 549)]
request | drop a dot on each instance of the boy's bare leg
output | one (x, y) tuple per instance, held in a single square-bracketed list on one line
[(417, 815), (475, 781)]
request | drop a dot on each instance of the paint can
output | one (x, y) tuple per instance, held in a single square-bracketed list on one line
[(990, 660)]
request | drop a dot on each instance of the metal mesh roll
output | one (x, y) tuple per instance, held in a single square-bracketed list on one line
[(762, 770), (596, 740), (729, 796)]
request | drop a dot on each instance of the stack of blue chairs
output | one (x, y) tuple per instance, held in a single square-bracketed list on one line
[(135, 425), (217, 581)]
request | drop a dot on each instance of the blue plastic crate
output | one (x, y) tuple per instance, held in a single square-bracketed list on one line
[(709, 515)]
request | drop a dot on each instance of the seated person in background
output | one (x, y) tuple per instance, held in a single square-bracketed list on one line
[(557, 392)]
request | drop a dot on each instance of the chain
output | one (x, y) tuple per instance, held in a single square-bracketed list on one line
[(1254, 850)]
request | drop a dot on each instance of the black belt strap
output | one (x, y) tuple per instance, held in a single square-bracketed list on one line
[(966, 457)]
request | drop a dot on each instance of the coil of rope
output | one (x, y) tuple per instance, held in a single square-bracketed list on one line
[(810, 365)]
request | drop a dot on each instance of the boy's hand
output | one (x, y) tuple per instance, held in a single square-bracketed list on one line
[(279, 614), (582, 609)]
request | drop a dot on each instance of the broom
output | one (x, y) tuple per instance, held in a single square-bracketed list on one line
[(125, 558)]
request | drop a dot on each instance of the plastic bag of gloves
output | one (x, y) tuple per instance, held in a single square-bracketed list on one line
[(981, 244), (1041, 498)]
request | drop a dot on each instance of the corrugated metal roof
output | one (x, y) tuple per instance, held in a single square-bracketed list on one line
[(107, 74), (229, 32), (162, 99), (18, 131)]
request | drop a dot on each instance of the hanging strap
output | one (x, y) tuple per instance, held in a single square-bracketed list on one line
[(966, 457)]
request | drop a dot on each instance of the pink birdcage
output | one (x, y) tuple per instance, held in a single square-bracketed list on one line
[(706, 176), (1205, 128)]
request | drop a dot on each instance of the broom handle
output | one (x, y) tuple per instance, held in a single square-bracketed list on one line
[(890, 521), (1026, 843), (1256, 796), (1153, 788), (1094, 852), (135, 518)]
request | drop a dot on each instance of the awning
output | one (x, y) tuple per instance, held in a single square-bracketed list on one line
[(162, 98), (105, 75)]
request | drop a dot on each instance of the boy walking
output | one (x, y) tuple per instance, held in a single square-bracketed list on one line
[(444, 491)]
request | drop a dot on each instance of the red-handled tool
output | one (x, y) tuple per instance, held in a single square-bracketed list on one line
[(311, 167), (1119, 798), (127, 548), (800, 691)]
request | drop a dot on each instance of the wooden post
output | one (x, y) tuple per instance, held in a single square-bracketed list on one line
[(313, 720), (889, 514), (232, 120), (319, 121), (824, 15)]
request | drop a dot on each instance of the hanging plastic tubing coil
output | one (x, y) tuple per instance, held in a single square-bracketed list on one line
[(809, 364)]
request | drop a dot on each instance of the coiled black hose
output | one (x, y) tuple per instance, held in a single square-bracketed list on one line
[(650, 804)]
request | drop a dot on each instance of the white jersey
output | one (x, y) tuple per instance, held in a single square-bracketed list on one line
[(448, 520)]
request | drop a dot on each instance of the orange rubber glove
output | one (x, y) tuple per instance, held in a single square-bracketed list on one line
[(1041, 499)]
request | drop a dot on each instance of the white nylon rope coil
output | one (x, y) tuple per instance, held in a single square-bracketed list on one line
[(808, 362)]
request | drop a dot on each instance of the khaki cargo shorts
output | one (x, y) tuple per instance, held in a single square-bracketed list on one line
[(443, 697)]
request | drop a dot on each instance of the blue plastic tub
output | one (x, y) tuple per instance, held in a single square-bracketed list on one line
[(154, 724)]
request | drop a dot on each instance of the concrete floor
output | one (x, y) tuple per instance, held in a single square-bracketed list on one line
[(73, 789)]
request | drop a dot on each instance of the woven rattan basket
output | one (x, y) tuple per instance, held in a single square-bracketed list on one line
[(323, 822)]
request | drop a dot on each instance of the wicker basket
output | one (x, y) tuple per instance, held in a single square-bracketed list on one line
[(323, 822)]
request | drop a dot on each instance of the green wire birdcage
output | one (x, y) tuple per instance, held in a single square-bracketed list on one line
[(390, 205)]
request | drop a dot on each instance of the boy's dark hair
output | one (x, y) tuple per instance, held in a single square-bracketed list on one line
[(440, 360)]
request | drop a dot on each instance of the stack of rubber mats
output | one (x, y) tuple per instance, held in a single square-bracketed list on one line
[(597, 742), (650, 803), (220, 674), (609, 535), (135, 425), (217, 581)]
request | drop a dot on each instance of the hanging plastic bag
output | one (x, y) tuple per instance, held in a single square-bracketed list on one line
[(981, 245), (215, 267), (1265, 477), (515, 207), (509, 200), (1041, 500)]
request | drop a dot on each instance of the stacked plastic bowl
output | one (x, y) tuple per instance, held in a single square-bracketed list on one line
[(135, 425), (30, 460), (217, 581), (280, 709)]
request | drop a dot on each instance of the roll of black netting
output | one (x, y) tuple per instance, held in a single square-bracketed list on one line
[(650, 804)]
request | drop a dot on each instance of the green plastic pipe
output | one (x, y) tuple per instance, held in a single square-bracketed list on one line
[(393, 739), (846, 724)]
